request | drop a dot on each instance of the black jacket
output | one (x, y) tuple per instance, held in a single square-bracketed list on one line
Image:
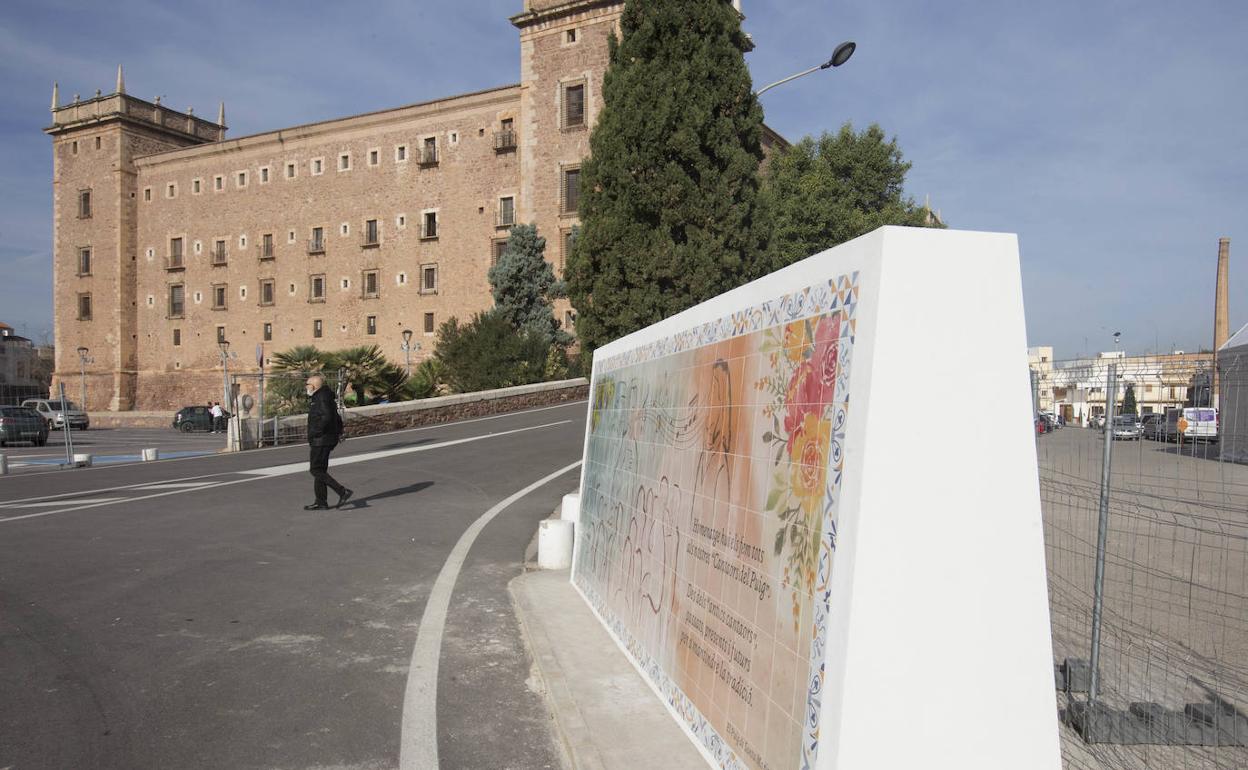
[(324, 423)]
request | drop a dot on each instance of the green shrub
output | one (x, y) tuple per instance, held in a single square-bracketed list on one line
[(487, 353)]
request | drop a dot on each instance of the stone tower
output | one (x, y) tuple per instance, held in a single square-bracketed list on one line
[(94, 207)]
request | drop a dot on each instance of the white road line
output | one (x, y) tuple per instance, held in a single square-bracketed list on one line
[(289, 468), (277, 470), (418, 744), (176, 485), (95, 500)]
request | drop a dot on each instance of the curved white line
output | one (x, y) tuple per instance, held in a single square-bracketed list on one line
[(418, 746)]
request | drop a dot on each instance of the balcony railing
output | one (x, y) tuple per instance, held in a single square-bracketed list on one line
[(428, 156), (429, 230), (504, 141), (219, 255), (505, 218), (174, 262), (370, 240), (316, 246), (264, 250)]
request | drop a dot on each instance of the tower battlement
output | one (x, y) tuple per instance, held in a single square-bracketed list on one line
[(120, 106)]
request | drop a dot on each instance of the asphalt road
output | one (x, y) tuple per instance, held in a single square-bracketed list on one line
[(110, 446), (190, 614)]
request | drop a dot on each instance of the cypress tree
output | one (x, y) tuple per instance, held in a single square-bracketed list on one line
[(670, 192)]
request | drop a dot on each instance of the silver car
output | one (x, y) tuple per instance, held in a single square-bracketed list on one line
[(1127, 427), (58, 412)]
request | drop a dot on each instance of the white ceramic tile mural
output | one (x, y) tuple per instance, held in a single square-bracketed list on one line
[(709, 516)]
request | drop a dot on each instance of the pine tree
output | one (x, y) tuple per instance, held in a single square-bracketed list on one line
[(523, 283), (823, 192), (1128, 400), (669, 195)]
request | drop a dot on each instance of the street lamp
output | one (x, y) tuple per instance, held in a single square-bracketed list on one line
[(224, 345), (839, 57), (83, 360)]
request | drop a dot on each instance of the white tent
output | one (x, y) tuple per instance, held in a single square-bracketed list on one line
[(1233, 396)]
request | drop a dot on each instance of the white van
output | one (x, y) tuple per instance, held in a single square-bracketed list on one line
[(1198, 423)]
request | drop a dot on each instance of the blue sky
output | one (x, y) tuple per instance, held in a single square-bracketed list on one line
[(1112, 136)]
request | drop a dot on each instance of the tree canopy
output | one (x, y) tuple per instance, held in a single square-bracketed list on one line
[(669, 196), (523, 283), (824, 191)]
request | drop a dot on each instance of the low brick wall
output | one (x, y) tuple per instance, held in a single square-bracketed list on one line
[(381, 418), (131, 419)]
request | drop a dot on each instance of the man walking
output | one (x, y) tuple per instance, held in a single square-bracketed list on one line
[(218, 416), (324, 432)]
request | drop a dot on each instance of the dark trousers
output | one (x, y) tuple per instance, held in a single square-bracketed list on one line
[(319, 467)]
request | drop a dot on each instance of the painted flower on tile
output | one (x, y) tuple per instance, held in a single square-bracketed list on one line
[(808, 463)]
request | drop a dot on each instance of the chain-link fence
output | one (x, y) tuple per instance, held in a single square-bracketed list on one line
[(1146, 530)]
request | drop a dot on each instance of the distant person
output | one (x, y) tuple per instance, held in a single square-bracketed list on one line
[(324, 433), (218, 417)]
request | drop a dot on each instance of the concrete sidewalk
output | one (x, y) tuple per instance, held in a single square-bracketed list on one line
[(605, 713)]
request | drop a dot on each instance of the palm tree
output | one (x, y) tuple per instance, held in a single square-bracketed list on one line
[(284, 394), (304, 360), (361, 368)]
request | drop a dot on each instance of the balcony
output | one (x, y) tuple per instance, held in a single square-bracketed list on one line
[(316, 246), (219, 256), (264, 251), (505, 218), (428, 156), (370, 240), (174, 262), (504, 141), (429, 230)]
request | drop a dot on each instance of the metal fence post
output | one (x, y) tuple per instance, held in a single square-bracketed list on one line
[(1098, 588), (68, 432)]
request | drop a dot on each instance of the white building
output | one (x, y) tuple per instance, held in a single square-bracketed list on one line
[(1075, 389)]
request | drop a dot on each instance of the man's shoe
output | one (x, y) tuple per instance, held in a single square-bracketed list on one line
[(344, 497), (316, 507)]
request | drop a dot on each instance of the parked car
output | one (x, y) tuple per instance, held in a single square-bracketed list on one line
[(20, 423), (192, 418), (56, 412), (1126, 427), (1096, 421), (1192, 424), (1153, 426)]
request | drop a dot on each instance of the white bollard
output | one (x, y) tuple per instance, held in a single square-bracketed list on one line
[(554, 544), (82, 461), (151, 454), (4, 465), (571, 510)]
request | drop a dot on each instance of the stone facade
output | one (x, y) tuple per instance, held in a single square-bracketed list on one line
[(412, 206)]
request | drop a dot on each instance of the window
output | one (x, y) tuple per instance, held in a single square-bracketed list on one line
[(242, 241), (318, 166), (574, 106), (344, 229), (218, 183), (219, 292), (290, 170), (171, 190), (374, 157), (84, 307), (567, 239), (317, 328), (428, 323), (372, 233), (84, 204), (266, 246), (242, 292), (497, 247), (370, 324), (401, 279), (505, 137), (218, 253), (175, 252), (241, 179), (147, 194), (266, 291), (177, 301), (429, 228), (570, 36), (97, 142), (371, 286), (264, 175), (316, 244), (316, 288), (400, 221), (400, 153), (74, 147), (84, 261), (196, 186), (177, 338), (268, 332), (220, 334), (429, 151), (344, 162), (506, 211), (570, 191), (429, 279), (290, 236)]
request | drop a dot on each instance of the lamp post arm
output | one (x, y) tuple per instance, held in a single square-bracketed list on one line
[(770, 86)]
